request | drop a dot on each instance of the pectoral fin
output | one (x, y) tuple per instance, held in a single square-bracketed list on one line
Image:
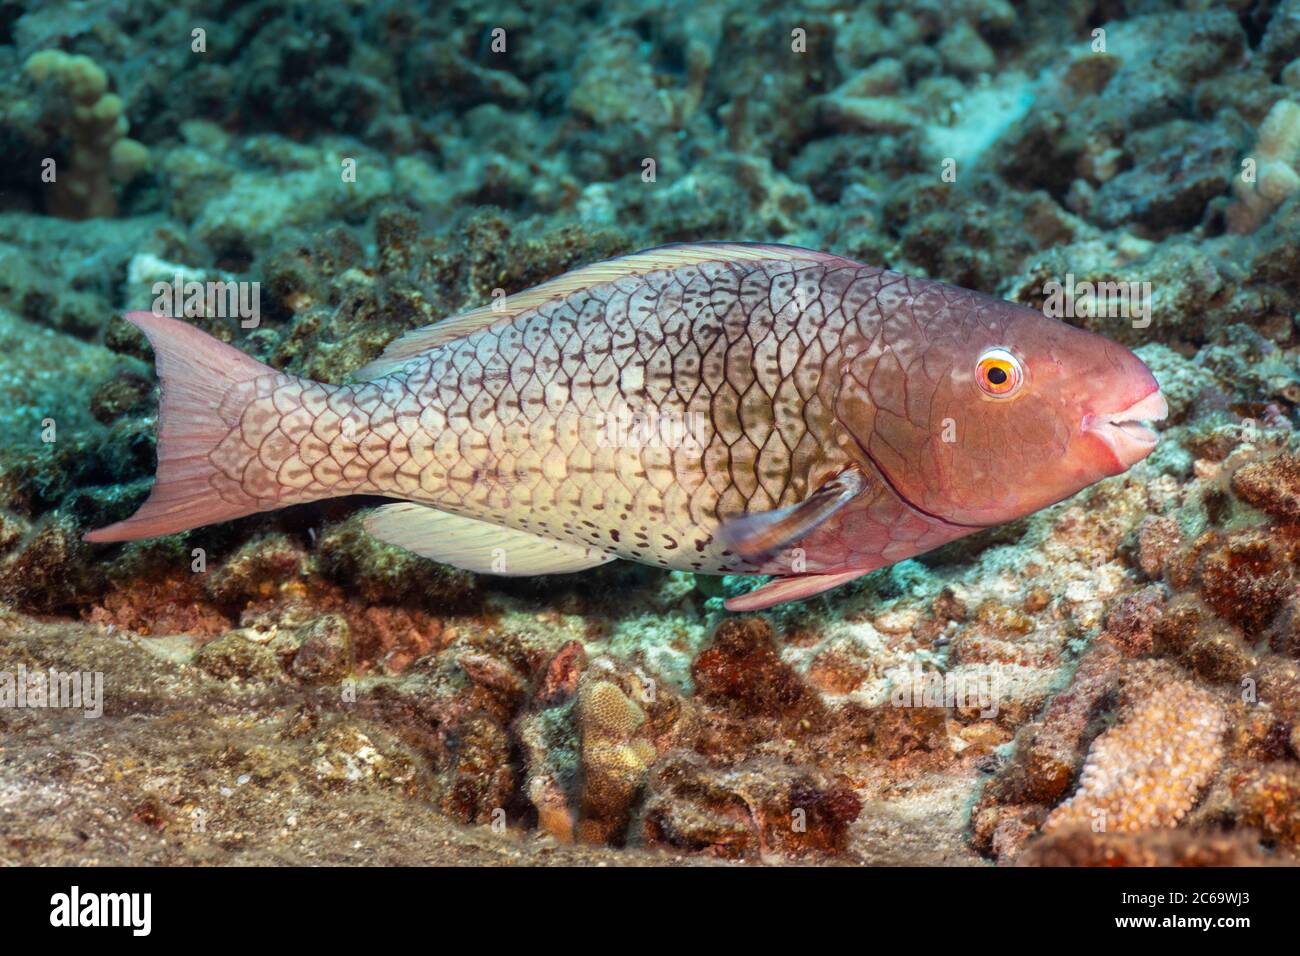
[(790, 589), (758, 536)]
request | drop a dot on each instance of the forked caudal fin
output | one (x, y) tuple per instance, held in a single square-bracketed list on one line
[(196, 372)]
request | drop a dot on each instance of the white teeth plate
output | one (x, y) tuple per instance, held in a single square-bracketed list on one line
[(1135, 430), (1126, 431), (1153, 408)]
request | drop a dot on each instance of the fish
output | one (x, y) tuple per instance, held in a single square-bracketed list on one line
[(717, 408)]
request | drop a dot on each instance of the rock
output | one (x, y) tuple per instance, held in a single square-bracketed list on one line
[(741, 671), (1184, 167), (1159, 539), (382, 573), (1153, 848), (751, 811), (964, 51), (1129, 624), (324, 655), (1206, 646), (481, 783), (121, 395), (559, 682), (345, 756), (865, 114), (50, 571), (259, 569), (240, 654), (1050, 750), (549, 740), (1272, 485), (1270, 801), (1246, 580)]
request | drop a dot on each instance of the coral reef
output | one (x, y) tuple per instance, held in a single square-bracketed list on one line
[(1195, 671), (1112, 681)]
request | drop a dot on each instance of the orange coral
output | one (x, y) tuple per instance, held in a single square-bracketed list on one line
[(1148, 770)]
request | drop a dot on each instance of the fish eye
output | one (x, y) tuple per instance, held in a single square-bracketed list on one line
[(998, 373)]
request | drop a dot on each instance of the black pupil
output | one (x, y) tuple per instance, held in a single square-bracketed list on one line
[(997, 376)]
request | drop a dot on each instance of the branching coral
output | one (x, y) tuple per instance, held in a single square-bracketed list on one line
[(1277, 147), (95, 126)]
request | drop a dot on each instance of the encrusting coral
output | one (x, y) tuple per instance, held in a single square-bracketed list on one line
[(1270, 802), (614, 757), (1149, 769)]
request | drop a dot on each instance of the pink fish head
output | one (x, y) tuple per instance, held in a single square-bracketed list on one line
[(998, 413)]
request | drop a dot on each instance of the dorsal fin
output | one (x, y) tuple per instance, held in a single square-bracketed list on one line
[(406, 347)]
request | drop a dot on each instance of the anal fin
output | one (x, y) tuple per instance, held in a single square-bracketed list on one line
[(475, 545)]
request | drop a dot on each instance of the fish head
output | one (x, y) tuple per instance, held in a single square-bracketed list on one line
[(1001, 415)]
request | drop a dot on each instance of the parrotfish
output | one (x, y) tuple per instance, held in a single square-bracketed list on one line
[(720, 408)]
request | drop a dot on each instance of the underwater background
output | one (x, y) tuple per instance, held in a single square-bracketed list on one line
[(1113, 680)]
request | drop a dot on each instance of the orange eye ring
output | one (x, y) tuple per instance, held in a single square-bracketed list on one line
[(998, 373)]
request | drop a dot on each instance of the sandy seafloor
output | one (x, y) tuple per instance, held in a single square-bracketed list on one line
[(313, 696)]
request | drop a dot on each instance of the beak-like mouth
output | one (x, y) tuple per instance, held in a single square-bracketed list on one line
[(1124, 431)]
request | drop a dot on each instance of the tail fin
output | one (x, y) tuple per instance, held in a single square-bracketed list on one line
[(196, 372)]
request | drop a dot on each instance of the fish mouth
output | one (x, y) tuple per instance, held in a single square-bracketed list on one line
[(1125, 432)]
